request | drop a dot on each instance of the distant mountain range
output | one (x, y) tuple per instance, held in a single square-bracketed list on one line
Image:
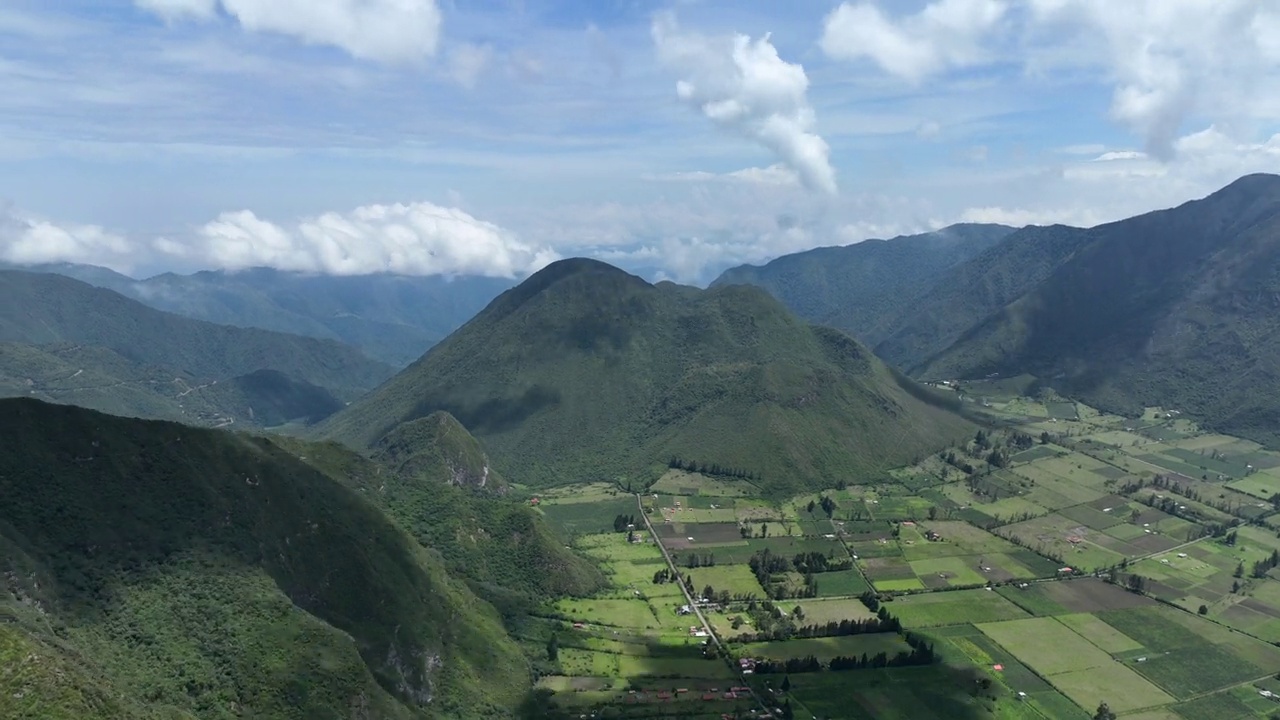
[(66, 341), (861, 288), (586, 372), (391, 318), (1179, 308)]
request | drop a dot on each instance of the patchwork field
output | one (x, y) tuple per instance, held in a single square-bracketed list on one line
[(968, 557)]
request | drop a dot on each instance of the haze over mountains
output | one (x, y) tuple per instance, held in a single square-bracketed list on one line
[(584, 372), (1174, 308), (390, 318), (66, 341)]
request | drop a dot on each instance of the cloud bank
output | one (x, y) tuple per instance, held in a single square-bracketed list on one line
[(388, 31), (742, 85), (1167, 61), (945, 34), (408, 239)]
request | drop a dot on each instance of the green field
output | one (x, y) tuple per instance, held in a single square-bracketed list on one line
[(954, 608)]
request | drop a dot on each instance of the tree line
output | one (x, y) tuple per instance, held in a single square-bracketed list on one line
[(716, 469)]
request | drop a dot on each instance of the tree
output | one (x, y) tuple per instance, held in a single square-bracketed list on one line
[(786, 684), (1204, 610), (1104, 712), (553, 648), (1239, 573)]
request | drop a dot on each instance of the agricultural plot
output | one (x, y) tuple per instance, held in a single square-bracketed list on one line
[(588, 517), (1188, 655), (841, 583), (825, 648), (1075, 666), (819, 611), (924, 693), (737, 580), (681, 482), (954, 608), (1086, 595)]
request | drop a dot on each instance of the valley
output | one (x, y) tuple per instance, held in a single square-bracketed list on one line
[(1064, 559)]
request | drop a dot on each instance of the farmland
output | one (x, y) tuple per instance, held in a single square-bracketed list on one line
[(1032, 562)]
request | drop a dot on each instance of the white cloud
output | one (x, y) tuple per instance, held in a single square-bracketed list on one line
[(1121, 184), (743, 85), (776, 174), (389, 31), (1170, 60), (415, 239), (31, 241), (945, 34), (467, 62)]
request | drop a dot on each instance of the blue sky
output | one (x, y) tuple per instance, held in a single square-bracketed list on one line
[(678, 138)]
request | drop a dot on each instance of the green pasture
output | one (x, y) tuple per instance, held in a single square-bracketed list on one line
[(954, 608)]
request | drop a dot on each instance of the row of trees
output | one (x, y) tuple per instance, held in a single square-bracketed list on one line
[(884, 623), (920, 654), (622, 523), (677, 463)]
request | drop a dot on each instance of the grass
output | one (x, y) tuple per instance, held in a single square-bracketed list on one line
[(737, 579), (819, 611), (826, 648), (1047, 645), (841, 583), (954, 608)]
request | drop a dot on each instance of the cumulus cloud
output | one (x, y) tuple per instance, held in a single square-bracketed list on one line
[(1123, 183), (741, 84), (945, 34), (1170, 59), (32, 241), (415, 239), (389, 31)]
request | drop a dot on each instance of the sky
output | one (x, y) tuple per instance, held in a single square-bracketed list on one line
[(673, 138)]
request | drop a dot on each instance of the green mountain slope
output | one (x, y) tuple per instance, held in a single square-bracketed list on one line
[(391, 318), (968, 293), (863, 288), (432, 476), (1176, 308), (159, 570), (64, 341), (583, 372)]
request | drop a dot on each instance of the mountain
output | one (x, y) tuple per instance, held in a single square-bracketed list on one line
[(966, 294), (391, 318), (65, 341), (862, 288), (435, 480), (155, 570), (1179, 308), (584, 371)]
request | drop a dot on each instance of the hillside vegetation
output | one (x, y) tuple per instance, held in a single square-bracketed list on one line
[(585, 372), (391, 318), (863, 288), (1179, 308), (432, 476), (64, 341), (149, 569)]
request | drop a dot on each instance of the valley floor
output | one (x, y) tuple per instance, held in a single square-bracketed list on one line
[(1068, 559)]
